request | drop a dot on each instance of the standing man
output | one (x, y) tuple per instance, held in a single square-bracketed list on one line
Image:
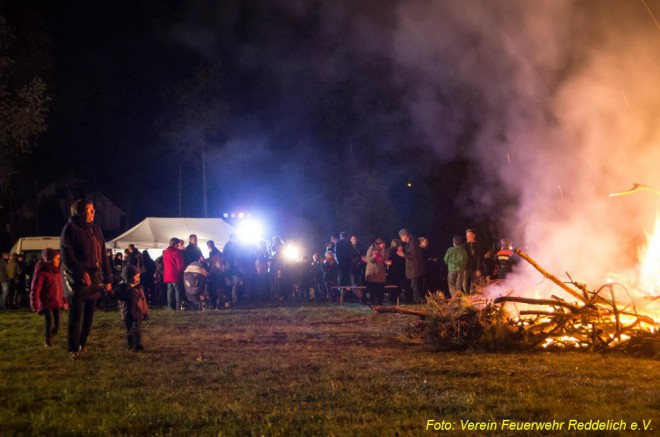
[(475, 264), (415, 267), (330, 245), (173, 267), (14, 272), (192, 252), (135, 258), (344, 253), (456, 260), (229, 251), (86, 272), (357, 265)]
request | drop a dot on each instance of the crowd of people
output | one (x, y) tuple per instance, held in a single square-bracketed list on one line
[(186, 278)]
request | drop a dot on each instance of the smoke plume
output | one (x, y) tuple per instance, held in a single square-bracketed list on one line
[(562, 99)]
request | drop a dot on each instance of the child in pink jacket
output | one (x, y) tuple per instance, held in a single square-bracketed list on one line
[(46, 292)]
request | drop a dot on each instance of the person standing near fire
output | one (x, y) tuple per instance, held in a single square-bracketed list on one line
[(344, 255), (456, 259), (415, 265), (504, 258), (475, 263), (376, 271), (86, 271)]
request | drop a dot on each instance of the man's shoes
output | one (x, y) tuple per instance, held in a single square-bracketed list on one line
[(74, 355), (83, 348), (48, 343)]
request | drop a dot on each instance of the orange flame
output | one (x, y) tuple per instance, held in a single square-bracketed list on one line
[(649, 256)]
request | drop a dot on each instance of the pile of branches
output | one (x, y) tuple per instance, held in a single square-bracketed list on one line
[(596, 321)]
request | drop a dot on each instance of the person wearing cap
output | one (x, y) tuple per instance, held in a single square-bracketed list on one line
[(46, 292), (376, 271), (133, 306), (415, 265), (475, 264), (86, 272)]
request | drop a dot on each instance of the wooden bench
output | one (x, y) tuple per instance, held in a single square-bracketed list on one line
[(389, 288), (357, 289)]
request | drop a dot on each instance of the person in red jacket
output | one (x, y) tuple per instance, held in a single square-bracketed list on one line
[(46, 292), (173, 266)]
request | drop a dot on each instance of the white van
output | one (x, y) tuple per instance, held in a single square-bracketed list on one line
[(34, 245)]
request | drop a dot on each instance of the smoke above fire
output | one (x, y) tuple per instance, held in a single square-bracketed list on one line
[(555, 103), (563, 102)]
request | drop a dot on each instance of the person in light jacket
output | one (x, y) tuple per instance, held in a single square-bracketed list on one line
[(375, 274)]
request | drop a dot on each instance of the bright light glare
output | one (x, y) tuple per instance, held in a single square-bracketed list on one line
[(291, 252), (249, 231)]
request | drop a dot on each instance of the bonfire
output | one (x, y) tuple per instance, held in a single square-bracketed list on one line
[(609, 318)]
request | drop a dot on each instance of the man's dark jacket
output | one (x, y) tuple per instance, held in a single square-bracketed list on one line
[(344, 253), (82, 248), (415, 263)]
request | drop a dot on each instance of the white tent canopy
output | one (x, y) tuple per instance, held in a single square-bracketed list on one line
[(36, 243), (156, 232)]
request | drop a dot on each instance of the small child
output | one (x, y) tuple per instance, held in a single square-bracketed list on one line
[(46, 292), (132, 306)]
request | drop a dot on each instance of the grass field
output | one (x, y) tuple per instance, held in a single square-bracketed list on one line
[(301, 370)]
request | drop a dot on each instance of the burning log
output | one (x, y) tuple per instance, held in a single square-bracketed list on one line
[(553, 278), (548, 302), (636, 187), (547, 313), (401, 310)]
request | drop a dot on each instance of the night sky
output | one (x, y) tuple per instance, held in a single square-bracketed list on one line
[(325, 111)]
